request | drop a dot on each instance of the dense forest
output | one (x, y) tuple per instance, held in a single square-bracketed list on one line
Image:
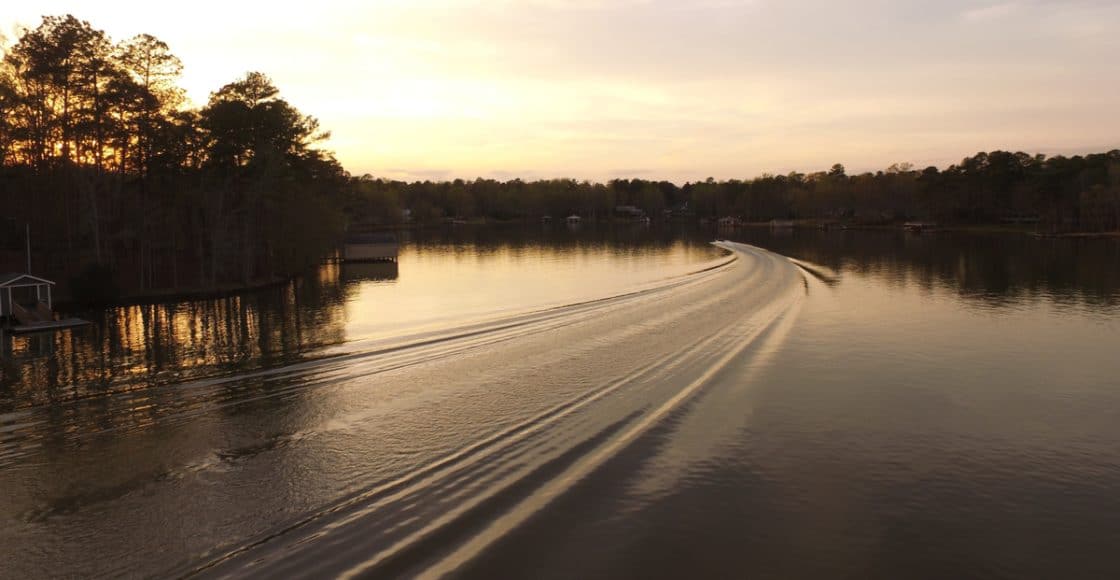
[(1053, 194), (127, 187)]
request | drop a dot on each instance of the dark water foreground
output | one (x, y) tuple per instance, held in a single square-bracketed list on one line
[(613, 404)]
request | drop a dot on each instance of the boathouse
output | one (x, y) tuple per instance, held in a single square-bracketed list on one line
[(25, 298), (370, 247)]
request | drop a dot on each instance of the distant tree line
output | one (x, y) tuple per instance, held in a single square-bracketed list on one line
[(122, 183), (1053, 193)]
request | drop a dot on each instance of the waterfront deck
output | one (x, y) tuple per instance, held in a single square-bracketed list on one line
[(26, 305), (47, 326)]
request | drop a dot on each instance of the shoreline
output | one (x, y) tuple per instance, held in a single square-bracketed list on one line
[(1079, 235), (230, 290)]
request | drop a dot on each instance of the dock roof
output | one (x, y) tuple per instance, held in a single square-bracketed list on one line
[(16, 279)]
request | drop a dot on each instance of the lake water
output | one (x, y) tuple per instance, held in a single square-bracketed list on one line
[(624, 402)]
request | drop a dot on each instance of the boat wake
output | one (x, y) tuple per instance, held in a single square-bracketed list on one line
[(415, 457)]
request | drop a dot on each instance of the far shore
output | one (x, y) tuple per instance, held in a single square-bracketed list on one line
[(66, 303)]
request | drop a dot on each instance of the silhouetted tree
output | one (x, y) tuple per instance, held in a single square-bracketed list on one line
[(111, 168)]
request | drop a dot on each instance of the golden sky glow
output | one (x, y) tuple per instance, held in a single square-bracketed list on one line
[(668, 89)]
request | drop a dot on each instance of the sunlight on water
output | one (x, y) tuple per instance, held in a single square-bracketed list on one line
[(550, 403), (437, 283), (438, 286)]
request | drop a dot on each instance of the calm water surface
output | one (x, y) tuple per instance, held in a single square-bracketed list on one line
[(590, 403)]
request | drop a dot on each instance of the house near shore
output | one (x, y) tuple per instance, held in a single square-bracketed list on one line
[(631, 212), (920, 226), (574, 220), (729, 222), (679, 211)]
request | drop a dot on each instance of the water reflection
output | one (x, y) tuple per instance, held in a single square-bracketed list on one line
[(137, 346), (370, 271), (926, 375), (455, 275), (995, 270)]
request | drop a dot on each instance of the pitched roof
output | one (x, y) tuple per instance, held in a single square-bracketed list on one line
[(18, 279)]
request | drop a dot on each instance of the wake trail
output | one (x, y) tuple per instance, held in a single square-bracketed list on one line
[(481, 492), (185, 401)]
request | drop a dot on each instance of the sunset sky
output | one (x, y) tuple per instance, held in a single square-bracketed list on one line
[(665, 89)]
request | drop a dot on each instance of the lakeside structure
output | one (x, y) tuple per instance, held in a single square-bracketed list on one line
[(920, 226), (16, 295), (26, 305), (370, 247)]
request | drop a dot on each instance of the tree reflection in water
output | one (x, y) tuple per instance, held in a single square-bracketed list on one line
[(138, 346)]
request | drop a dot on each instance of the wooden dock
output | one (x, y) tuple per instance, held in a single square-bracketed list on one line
[(47, 326), (26, 307)]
